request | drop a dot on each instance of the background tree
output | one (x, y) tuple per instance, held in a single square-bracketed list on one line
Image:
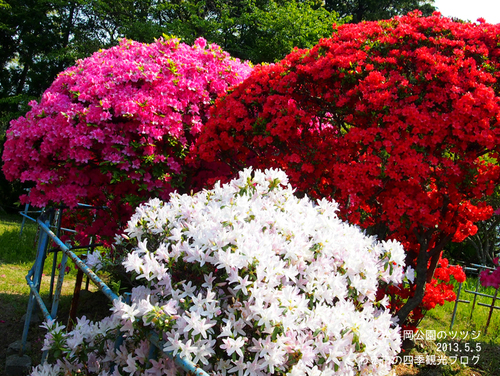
[(281, 27), (486, 241), (39, 39), (371, 10), (259, 31)]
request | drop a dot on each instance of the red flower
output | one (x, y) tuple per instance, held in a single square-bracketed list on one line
[(390, 119)]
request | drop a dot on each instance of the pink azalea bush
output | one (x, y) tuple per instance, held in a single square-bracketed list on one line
[(491, 277), (243, 279), (116, 127)]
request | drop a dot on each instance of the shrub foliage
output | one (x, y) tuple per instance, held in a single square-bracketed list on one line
[(396, 120), (115, 128)]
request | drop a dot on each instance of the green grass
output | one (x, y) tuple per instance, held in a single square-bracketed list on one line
[(17, 257), (467, 333), (466, 318), (15, 248), (20, 249)]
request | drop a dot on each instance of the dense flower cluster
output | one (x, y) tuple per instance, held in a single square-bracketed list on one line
[(440, 289), (247, 278), (491, 278), (396, 120), (117, 126)]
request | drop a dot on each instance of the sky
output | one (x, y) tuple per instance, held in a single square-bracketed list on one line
[(470, 10)]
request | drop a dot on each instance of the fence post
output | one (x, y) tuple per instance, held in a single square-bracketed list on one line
[(58, 221), (36, 276), (492, 307), (456, 305), (26, 208)]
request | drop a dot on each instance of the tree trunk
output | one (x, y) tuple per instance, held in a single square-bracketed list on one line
[(424, 273), (421, 280), (22, 79)]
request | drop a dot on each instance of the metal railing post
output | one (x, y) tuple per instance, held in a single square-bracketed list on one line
[(34, 280), (35, 277)]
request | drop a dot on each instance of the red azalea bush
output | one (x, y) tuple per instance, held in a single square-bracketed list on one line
[(115, 128), (396, 120)]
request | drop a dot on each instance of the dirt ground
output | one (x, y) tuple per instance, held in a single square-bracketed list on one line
[(93, 305)]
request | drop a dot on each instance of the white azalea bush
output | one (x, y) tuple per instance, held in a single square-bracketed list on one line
[(244, 279)]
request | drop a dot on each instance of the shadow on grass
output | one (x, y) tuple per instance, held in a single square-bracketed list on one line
[(12, 319), (93, 305), (17, 256)]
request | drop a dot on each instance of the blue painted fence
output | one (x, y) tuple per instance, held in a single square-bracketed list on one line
[(34, 277)]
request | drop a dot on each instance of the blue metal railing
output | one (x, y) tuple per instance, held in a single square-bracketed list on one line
[(34, 280)]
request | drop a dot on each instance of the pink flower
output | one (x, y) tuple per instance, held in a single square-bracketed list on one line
[(131, 107), (490, 278)]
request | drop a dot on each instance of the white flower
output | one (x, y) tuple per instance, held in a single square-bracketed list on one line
[(187, 349), (94, 261), (46, 369), (204, 351), (131, 365), (93, 363), (197, 325), (174, 343), (170, 308), (124, 310), (222, 366), (74, 340), (133, 262), (239, 366), (410, 274), (232, 345), (252, 272)]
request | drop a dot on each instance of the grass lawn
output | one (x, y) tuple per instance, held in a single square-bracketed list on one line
[(468, 338), (17, 255)]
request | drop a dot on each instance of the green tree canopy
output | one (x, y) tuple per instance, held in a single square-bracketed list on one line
[(371, 10), (38, 40)]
